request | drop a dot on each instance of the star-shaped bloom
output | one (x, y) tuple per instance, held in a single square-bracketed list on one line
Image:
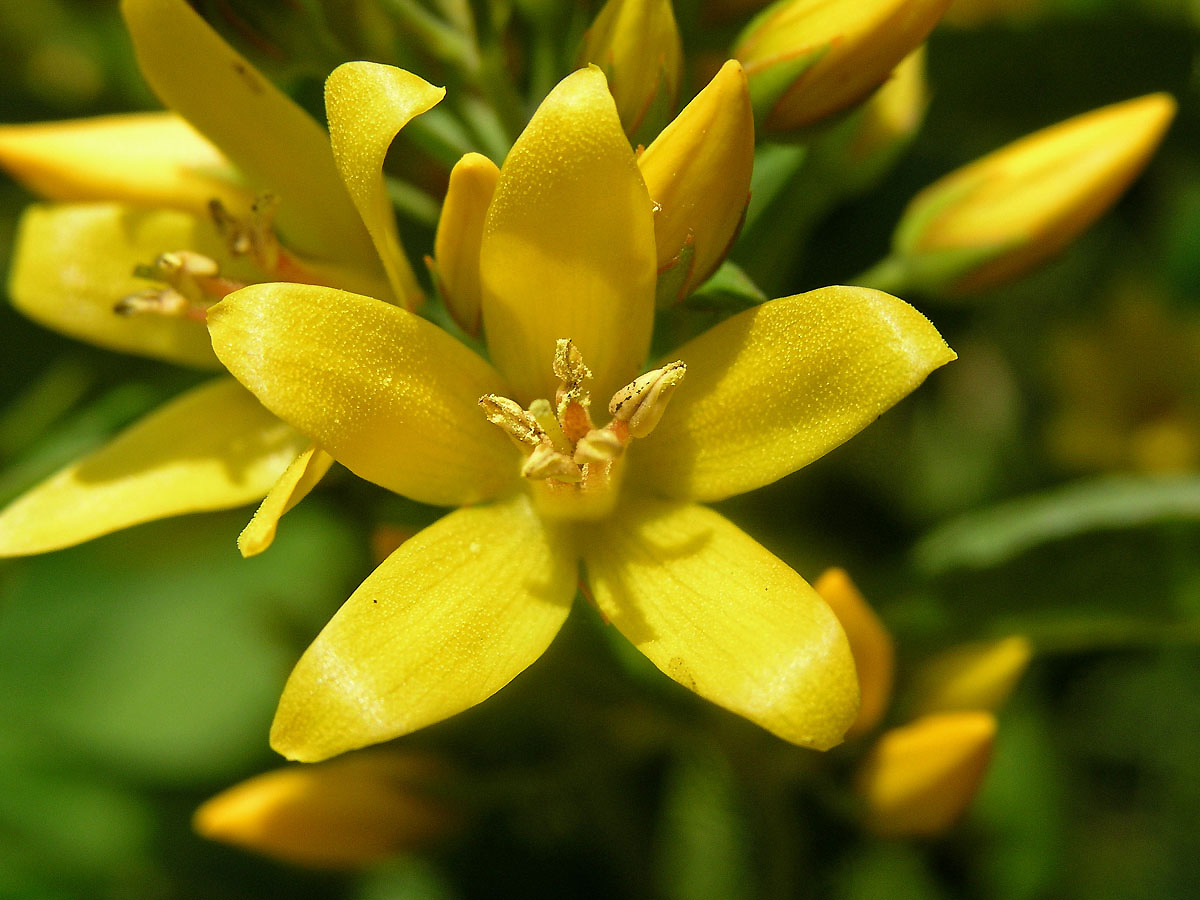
[(161, 214), (551, 495)]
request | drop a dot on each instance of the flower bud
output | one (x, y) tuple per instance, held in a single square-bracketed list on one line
[(698, 174), (972, 676), (459, 235), (637, 44), (871, 645), (152, 160), (920, 778), (995, 219), (888, 121), (808, 59), (352, 812)]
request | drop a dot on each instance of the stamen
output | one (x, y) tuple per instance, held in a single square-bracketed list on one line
[(642, 402), (518, 424), (160, 302), (571, 399), (547, 463)]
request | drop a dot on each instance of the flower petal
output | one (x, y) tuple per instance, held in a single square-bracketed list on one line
[(778, 386), (459, 234), (146, 159), (276, 144), (73, 262), (447, 620), (367, 105), (214, 447), (293, 485), (718, 613), (568, 248), (388, 395)]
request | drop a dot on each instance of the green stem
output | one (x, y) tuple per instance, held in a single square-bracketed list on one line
[(890, 275)]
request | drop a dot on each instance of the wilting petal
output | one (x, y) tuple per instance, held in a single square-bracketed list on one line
[(276, 144), (146, 159), (293, 485), (447, 620), (718, 613), (459, 234), (72, 263), (388, 395), (214, 447), (874, 652), (367, 105), (568, 248), (780, 385)]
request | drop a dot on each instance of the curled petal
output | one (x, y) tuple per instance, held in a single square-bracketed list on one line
[(305, 472), (718, 613), (214, 447), (448, 619), (568, 248), (390, 396), (367, 105), (778, 386)]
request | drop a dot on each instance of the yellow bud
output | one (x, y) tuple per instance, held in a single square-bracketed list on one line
[(637, 44), (972, 676), (151, 160), (698, 174), (459, 234), (352, 812), (808, 59), (997, 218), (888, 120), (920, 778), (870, 643)]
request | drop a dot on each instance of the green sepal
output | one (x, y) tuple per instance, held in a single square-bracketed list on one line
[(769, 84)]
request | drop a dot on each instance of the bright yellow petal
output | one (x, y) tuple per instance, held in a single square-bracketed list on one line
[(145, 159), (778, 386), (72, 263), (367, 105), (214, 447), (388, 395), (568, 248), (459, 234), (276, 144), (718, 613), (447, 620), (874, 652), (293, 485)]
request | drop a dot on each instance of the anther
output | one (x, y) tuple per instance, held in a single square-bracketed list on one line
[(518, 424), (600, 445), (162, 302), (547, 463), (642, 402)]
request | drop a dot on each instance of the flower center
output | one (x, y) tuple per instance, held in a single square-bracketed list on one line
[(573, 466)]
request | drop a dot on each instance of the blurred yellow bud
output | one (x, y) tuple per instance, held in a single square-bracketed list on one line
[(152, 160), (637, 44), (351, 812), (972, 676), (871, 645), (808, 59), (997, 218), (459, 234), (920, 778), (887, 122), (698, 175)]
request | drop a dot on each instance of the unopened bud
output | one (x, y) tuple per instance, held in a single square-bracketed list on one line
[(972, 676), (995, 219), (637, 44), (642, 402), (920, 778), (809, 59), (698, 174)]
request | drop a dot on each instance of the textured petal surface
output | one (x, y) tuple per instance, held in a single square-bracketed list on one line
[(780, 385), (276, 144), (390, 396), (305, 472), (367, 105), (146, 159), (718, 613), (447, 620), (568, 248), (214, 447), (73, 262)]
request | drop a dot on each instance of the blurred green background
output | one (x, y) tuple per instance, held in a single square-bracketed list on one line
[(1046, 484)]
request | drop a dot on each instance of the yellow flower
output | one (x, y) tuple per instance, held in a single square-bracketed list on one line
[(809, 59), (567, 268), (174, 221), (995, 219), (344, 814)]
